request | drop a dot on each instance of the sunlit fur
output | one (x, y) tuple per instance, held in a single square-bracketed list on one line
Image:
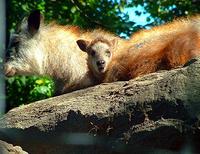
[(161, 48), (100, 47), (99, 56), (53, 52)]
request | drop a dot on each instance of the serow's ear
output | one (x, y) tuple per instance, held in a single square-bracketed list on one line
[(34, 22), (114, 42), (83, 44)]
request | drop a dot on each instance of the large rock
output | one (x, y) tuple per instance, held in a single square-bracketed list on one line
[(156, 113), (6, 148)]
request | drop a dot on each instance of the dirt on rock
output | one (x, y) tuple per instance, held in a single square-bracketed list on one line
[(152, 114)]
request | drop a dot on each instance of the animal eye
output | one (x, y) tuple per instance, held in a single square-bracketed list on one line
[(108, 53), (15, 42), (13, 47), (92, 53)]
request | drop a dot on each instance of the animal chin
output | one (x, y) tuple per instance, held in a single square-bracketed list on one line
[(9, 71), (101, 69)]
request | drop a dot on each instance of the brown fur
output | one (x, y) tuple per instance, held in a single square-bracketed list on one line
[(98, 76), (100, 39), (52, 51), (100, 52), (161, 48)]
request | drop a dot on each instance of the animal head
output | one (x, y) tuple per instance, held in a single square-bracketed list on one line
[(100, 52), (24, 47)]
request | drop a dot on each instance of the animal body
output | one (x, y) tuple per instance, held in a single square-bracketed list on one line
[(51, 50), (161, 48)]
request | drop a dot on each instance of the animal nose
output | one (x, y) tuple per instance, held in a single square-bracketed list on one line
[(100, 62)]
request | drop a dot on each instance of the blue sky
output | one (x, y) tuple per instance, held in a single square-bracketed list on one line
[(140, 20)]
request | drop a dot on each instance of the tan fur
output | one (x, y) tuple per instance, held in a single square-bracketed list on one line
[(104, 50), (161, 48), (53, 51)]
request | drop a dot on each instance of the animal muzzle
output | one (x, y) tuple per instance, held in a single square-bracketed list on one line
[(9, 70), (100, 65)]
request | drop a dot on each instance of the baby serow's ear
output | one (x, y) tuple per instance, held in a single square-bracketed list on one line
[(114, 42), (83, 44)]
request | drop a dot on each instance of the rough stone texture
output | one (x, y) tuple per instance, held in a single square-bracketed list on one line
[(6, 148), (157, 113)]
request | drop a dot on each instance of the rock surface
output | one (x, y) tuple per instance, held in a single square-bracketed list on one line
[(157, 113), (6, 148)]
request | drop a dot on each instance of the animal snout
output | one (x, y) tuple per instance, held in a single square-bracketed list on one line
[(9, 70), (100, 63)]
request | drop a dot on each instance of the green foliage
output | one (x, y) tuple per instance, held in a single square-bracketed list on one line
[(166, 10), (107, 14), (22, 90), (86, 14)]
